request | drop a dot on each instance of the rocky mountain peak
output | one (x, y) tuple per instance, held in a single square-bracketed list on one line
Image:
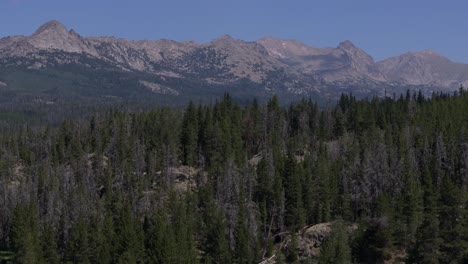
[(53, 35), (420, 57), (73, 32), (429, 52), (287, 49), (225, 37), (52, 26), (349, 48), (423, 68), (347, 45), (358, 59), (237, 46), (225, 40)]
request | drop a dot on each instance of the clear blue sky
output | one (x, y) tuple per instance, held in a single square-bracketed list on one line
[(382, 28)]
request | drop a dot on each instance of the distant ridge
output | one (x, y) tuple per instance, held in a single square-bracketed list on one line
[(269, 65)]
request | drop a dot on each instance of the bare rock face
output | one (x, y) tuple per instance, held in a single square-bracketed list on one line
[(284, 49), (300, 57), (357, 58), (243, 59), (53, 27), (184, 178), (157, 88), (310, 239)]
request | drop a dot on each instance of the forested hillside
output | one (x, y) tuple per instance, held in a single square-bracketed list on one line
[(231, 184)]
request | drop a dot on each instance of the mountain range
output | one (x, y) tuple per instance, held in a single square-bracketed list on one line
[(56, 61)]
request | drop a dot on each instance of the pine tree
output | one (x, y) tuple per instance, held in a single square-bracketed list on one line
[(49, 245), (189, 135), (428, 241), (243, 246), (293, 193), (293, 254), (454, 223), (78, 250), (129, 237), (160, 242), (217, 248), (336, 248), (25, 235), (324, 201), (183, 232)]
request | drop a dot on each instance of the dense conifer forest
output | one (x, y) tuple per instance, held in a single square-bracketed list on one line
[(226, 183)]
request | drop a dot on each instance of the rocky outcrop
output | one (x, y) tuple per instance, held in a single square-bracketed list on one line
[(157, 88), (184, 178), (309, 241)]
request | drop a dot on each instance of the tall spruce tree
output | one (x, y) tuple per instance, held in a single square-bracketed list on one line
[(25, 234)]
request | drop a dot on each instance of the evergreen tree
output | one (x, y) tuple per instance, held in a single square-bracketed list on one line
[(160, 242), (217, 248), (129, 237), (243, 246), (189, 135), (454, 223), (78, 250), (293, 254), (293, 193), (428, 240), (49, 245), (107, 190), (25, 234), (336, 248)]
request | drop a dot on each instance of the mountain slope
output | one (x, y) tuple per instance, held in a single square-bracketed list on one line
[(424, 68), (162, 68)]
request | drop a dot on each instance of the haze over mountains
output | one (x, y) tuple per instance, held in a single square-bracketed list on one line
[(108, 66)]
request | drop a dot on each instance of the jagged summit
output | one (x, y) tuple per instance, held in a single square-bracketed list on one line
[(359, 60), (53, 35), (347, 44)]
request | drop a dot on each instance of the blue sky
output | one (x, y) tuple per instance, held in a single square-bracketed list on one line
[(382, 28)]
